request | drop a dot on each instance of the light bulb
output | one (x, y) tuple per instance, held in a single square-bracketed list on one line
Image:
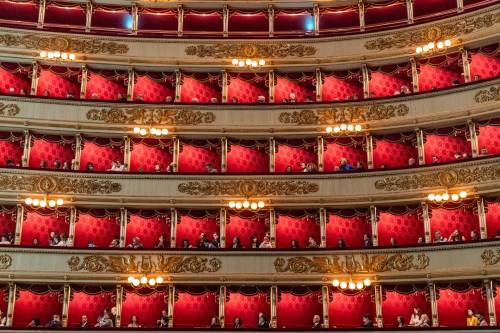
[(159, 279), (238, 205), (425, 48), (367, 282), (36, 202), (462, 194), (359, 285), (343, 127), (158, 132), (447, 43), (419, 50), (28, 201), (136, 282), (164, 131), (152, 282), (232, 204), (143, 131), (144, 280), (43, 54), (43, 203), (235, 61), (262, 62), (431, 197), (431, 45), (248, 62), (440, 45), (335, 283), (72, 56), (343, 285), (137, 130), (454, 197), (352, 285), (57, 54), (130, 279), (50, 55), (329, 129), (241, 63), (439, 197), (52, 203), (336, 129), (357, 128), (254, 205), (261, 204), (64, 56), (246, 204), (59, 202), (255, 63), (152, 130), (350, 128), (446, 196)]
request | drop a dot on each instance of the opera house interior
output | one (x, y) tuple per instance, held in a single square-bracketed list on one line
[(283, 165)]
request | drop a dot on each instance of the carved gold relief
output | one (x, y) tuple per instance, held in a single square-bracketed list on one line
[(5, 261), (350, 264), (446, 178), (9, 109), (145, 264), (63, 44), (150, 116), (488, 95), (413, 37), (491, 257), (348, 114), (248, 188), (250, 50), (55, 184)]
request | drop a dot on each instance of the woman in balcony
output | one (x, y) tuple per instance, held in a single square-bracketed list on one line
[(416, 318), (133, 322), (472, 318)]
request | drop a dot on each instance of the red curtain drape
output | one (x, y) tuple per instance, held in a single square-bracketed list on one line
[(298, 226), (38, 223), (98, 226), (89, 301), (297, 306), (194, 307)]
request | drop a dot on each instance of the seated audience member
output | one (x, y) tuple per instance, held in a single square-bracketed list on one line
[(35, 242), (5, 241), (236, 243), (202, 241), (70, 95), (458, 155), (367, 241), (53, 238), (116, 166), (262, 321), (294, 244), (411, 162), (474, 235), (89, 167), (400, 321), (456, 236), (185, 244), (55, 322), (46, 93), (57, 165), (292, 98), (215, 323), (404, 90), (366, 321), (234, 100), (392, 241), (163, 321), (484, 151), (420, 240), (169, 99), (359, 166), (90, 243), (171, 167), (215, 243), (471, 318), (12, 90), (477, 77), (104, 321), (344, 165), (121, 97), (311, 243), (214, 100), (3, 319), (139, 98), (157, 168), (94, 95), (63, 241), (136, 243), (311, 167), (383, 166), (66, 165), (35, 322), (194, 100), (465, 156), (415, 318), (438, 238), (114, 243), (211, 169), (425, 321), (261, 99), (308, 99), (303, 167), (237, 323), (162, 242), (289, 169), (84, 322), (455, 82), (341, 243), (266, 243), (482, 320), (22, 92), (9, 163), (317, 322), (43, 164), (435, 160), (254, 242), (133, 322)]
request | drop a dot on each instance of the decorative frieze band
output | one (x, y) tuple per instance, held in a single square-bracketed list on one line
[(488, 95), (248, 188), (250, 50), (10, 110)]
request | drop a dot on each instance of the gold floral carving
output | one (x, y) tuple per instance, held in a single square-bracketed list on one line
[(9, 109), (250, 50), (150, 116), (55, 184), (63, 44), (248, 188), (491, 257), (350, 264), (488, 95), (145, 264), (348, 114), (413, 37), (445, 178), (5, 261)]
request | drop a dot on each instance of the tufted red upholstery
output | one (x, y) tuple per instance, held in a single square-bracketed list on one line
[(485, 66), (293, 156), (39, 223), (40, 305), (244, 159), (10, 80), (145, 154), (146, 307), (453, 306), (245, 225), (445, 147), (91, 305), (152, 91), (383, 84), (446, 221), (496, 290), (247, 307), (195, 310), (397, 304), (7, 220), (337, 89), (49, 150), (438, 77), (297, 311), (406, 229), (4, 296), (285, 86), (393, 155), (57, 85), (195, 158), (190, 227), (11, 148), (246, 92), (192, 88), (101, 230), (489, 138), (492, 218), (298, 228), (105, 89), (148, 229), (335, 150), (350, 229), (347, 310), (100, 156)]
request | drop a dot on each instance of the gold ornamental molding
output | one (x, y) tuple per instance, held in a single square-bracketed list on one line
[(248, 188), (488, 95), (145, 264), (150, 116), (10, 110), (446, 178), (54, 184), (491, 257), (63, 44), (250, 50), (446, 30), (345, 114), (351, 264), (5, 261)]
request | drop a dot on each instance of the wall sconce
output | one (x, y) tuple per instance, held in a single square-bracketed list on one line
[(445, 196), (44, 202), (153, 131), (145, 281), (344, 129), (246, 205), (432, 47), (248, 62), (351, 285), (57, 56)]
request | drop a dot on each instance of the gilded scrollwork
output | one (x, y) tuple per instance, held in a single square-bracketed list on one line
[(63, 44), (488, 95), (350, 264), (347, 114), (445, 178), (10, 110), (150, 116), (145, 264), (250, 50), (57, 184), (491, 257), (5, 261), (248, 188), (453, 29)]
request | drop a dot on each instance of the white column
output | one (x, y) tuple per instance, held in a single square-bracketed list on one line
[(65, 305), (319, 85), (225, 86), (427, 222), (26, 149), (223, 157), (434, 307), (366, 80), (10, 304), (72, 222), (409, 11), (222, 302), (271, 86), (270, 17), (369, 151), (126, 153), (35, 72), (123, 226), (488, 286), (414, 74), (173, 227), (119, 303), (274, 300), (83, 84), (321, 158), (466, 64), (378, 305), (272, 154), (41, 13), (225, 21), (88, 15), (473, 138), (180, 20), (130, 84), (19, 224), (175, 153), (222, 227), (361, 9), (316, 14), (374, 224), (325, 300), (460, 6), (420, 146), (481, 213), (78, 153), (135, 18), (178, 86), (322, 226), (170, 306), (272, 226)]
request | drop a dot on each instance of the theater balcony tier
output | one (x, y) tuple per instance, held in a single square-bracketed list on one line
[(470, 29)]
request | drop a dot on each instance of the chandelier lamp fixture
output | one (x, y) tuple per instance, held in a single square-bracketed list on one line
[(252, 63), (438, 197), (344, 129), (153, 131), (44, 202), (145, 281), (432, 47), (351, 285), (57, 56), (246, 204)]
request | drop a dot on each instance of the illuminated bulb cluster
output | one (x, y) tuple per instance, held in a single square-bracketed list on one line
[(56, 55), (433, 46), (144, 281), (152, 131), (248, 62), (351, 285), (445, 196), (344, 128), (246, 205), (52, 203)]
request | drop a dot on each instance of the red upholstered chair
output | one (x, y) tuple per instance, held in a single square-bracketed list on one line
[(101, 152), (208, 23), (296, 307), (146, 153), (194, 307), (59, 82), (201, 86), (293, 22), (447, 217), (302, 85), (296, 225), (146, 304), (440, 72), (245, 225), (485, 62), (351, 148), (383, 15), (11, 148), (154, 21), (488, 138), (36, 301), (342, 85), (51, 148), (38, 223), (148, 225), (190, 224), (90, 301), (14, 78), (248, 23), (492, 207), (338, 19), (404, 223), (453, 301), (247, 87), (8, 220), (401, 300), (19, 13), (111, 18), (346, 309), (246, 303), (106, 85), (154, 86), (97, 225), (349, 225), (386, 81), (293, 153), (394, 150), (64, 16), (445, 143), (194, 155), (247, 156)]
